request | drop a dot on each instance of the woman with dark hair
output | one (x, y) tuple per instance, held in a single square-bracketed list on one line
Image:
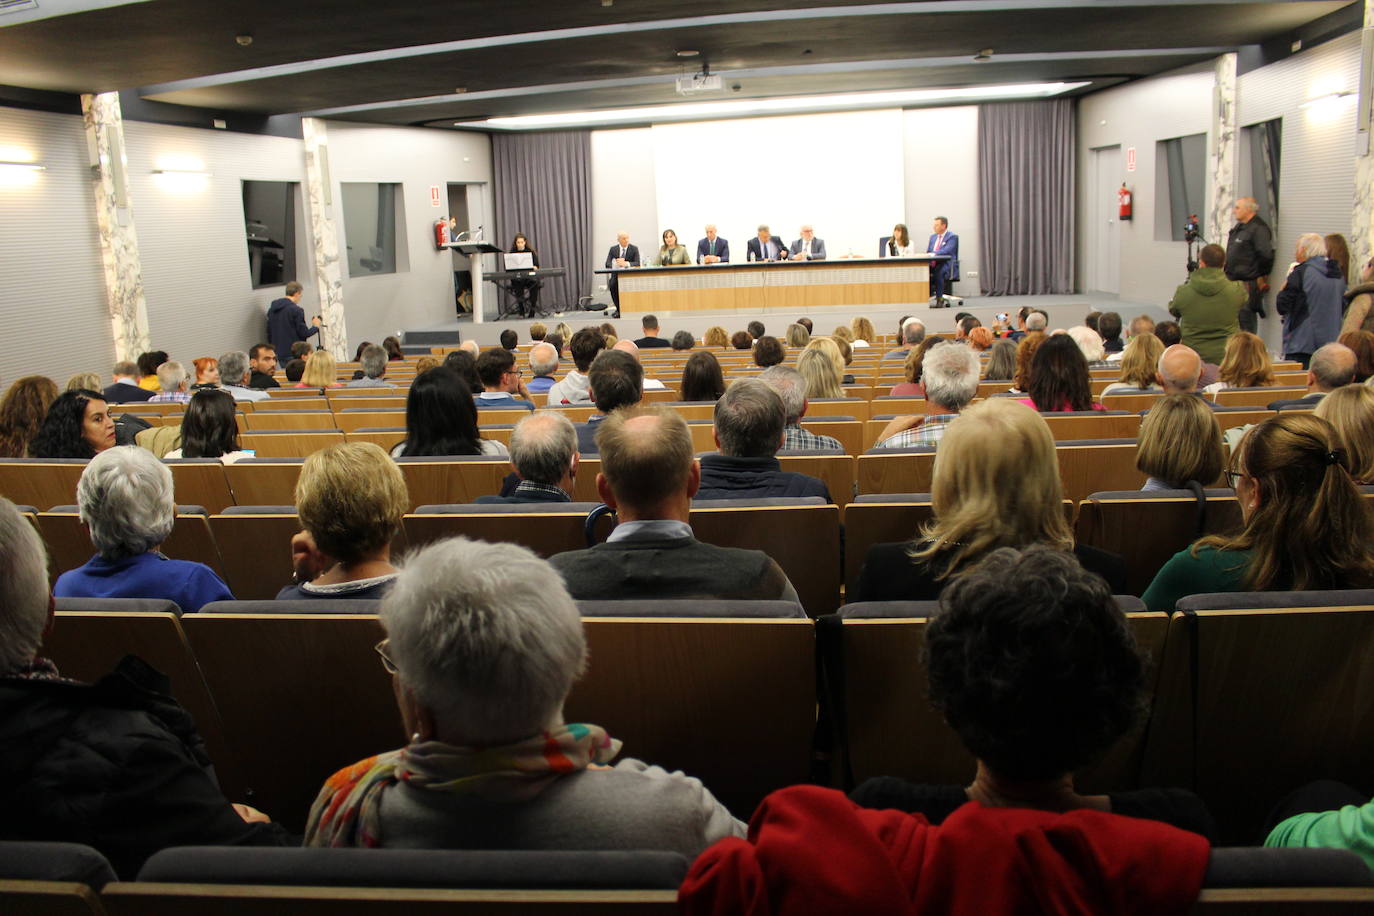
[(525, 289), (22, 411), (147, 368), (441, 419), (1059, 378), (683, 340), (899, 245), (392, 345), (1306, 526), (702, 379), (463, 363), (768, 351), (209, 429), (671, 253), (1362, 343), (78, 425), (741, 340)]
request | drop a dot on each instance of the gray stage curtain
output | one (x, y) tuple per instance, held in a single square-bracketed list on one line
[(543, 189), (1026, 196)]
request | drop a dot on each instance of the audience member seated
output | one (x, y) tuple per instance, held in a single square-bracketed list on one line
[(392, 345), (91, 381), (501, 381), (543, 360), (1331, 367), (1032, 664), (649, 476), (350, 498), (1090, 345), (996, 484), (233, 374), (294, 369), (823, 368), (1245, 365), (484, 645), (147, 368), (951, 381), (683, 340), (651, 339), (78, 425), (1001, 364), (1179, 445), (22, 411), (373, 361), (1109, 327), (125, 499), (716, 337), (126, 388), (791, 387), (557, 341), (321, 371), (755, 329), (862, 332), (584, 346), (117, 764), (980, 339), (301, 349), (808, 324), (1025, 357), (1306, 526), (797, 336), (615, 381), (749, 422), (1325, 815), (172, 384), (741, 340), (914, 366), (441, 419), (1350, 409), (465, 365), (846, 351), (262, 361), (207, 373), (628, 346), (1142, 324), (1059, 377), (538, 331), (1361, 343), (768, 351), (1139, 365), (209, 429), (1179, 370), (702, 379), (543, 452), (913, 331)]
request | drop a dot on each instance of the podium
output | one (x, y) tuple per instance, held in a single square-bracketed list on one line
[(474, 251)]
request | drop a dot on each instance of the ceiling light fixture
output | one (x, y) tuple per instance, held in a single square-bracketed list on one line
[(1325, 99), (691, 111), (26, 166), (199, 173), (688, 52), (983, 56)]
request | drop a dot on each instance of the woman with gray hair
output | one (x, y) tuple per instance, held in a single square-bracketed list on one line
[(484, 644), (125, 499), (1312, 300)]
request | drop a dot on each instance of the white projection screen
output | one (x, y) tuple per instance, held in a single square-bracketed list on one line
[(842, 173)]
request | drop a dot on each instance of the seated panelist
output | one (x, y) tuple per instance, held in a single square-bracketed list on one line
[(620, 256), (713, 249), (764, 247), (670, 253), (808, 247)]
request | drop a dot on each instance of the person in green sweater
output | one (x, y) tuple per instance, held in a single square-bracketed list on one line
[(1206, 305), (1306, 525)]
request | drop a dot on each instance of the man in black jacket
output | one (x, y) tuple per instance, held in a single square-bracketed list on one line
[(750, 422), (1249, 258), (286, 322)]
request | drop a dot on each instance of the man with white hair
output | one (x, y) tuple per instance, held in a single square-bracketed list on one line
[(808, 247), (950, 373), (913, 332), (233, 376), (543, 452), (543, 360), (791, 387), (1312, 300), (1090, 345), (1333, 366), (125, 500), (373, 362), (171, 383), (712, 249), (1037, 321), (1249, 258)]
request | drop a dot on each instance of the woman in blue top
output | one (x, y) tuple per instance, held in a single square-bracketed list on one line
[(1306, 525)]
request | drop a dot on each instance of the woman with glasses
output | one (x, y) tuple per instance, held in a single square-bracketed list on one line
[(1305, 524), (484, 643)]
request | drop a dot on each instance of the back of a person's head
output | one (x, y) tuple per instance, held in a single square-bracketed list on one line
[(1140, 360), (1179, 368), (980, 338), (755, 329), (210, 428), (749, 420), (125, 497), (538, 330), (543, 358), (715, 336), (683, 340), (807, 323), (797, 335), (127, 368), (170, 376), (1180, 442), (1033, 664), (294, 369), (23, 589), (441, 418), (351, 498), (1109, 325), (1246, 363), (913, 332), (149, 361), (373, 361), (616, 380), (542, 447), (822, 378), (464, 365), (1142, 324), (862, 328), (508, 339), (232, 367), (1059, 375), (1212, 256), (790, 387), (493, 364), (22, 410), (950, 374), (392, 345), (321, 370), (768, 351), (1309, 527), (557, 341), (995, 484), (702, 379), (741, 340), (1002, 361), (649, 323), (584, 346), (1350, 409), (968, 323), (91, 380), (1361, 343), (1168, 333), (487, 638), (1333, 365), (1090, 320), (1089, 342), (1036, 321), (646, 455)]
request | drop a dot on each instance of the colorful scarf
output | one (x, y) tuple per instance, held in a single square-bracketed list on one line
[(347, 811), (40, 669)]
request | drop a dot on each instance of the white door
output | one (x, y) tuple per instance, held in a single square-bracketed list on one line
[(1104, 243)]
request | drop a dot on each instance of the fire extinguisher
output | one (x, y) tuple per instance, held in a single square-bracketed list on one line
[(440, 233), (1123, 198)]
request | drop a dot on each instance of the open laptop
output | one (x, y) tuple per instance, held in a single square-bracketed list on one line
[(518, 260)]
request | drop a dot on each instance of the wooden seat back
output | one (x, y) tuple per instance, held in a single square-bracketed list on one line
[(201, 485), (263, 484), (268, 420), (1257, 397), (385, 439), (438, 482), (255, 553), (41, 484), (1147, 532), (289, 444), (803, 540), (49, 898)]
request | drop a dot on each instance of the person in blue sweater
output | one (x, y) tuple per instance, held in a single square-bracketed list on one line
[(125, 499)]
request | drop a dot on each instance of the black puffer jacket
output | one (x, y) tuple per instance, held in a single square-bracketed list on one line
[(116, 765), (724, 477)]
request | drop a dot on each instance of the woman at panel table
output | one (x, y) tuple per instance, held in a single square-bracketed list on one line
[(525, 287), (899, 245), (671, 253)]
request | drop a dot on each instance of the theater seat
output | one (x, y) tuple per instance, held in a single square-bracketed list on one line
[(690, 608), (38, 861), (301, 606), (875, 610), (1225, 601), (1250, 866), (119, 605)]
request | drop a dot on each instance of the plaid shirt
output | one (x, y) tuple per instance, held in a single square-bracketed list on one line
[(170, 397), (799, 439), (928, 433)]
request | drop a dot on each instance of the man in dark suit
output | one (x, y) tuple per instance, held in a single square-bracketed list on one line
[(543, 451), (621, 256), (942, 241), (764, 247), (808, 247), (712, 249), (125, 388)]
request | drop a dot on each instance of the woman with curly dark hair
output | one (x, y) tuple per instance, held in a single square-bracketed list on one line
[(441, 419), (702, 379), (22, 411), (1034, 667), (1059, 377), (78, 425)]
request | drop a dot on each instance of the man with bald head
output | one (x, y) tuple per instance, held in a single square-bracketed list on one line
[(1178, 370), (543, 452), (649, 475), (630, 347), (622, 255), (543, 360), (1249, 258), (808, 247), (1332, 367), (713, 249)]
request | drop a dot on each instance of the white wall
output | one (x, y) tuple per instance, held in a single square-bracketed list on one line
[(623, 193), (941, 157), (418, 158)]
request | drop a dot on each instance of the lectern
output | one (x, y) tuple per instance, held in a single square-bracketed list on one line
[(474, 251)]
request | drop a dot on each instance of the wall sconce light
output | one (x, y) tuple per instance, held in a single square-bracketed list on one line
[(29, 166), (193, 173), (1327, 99)]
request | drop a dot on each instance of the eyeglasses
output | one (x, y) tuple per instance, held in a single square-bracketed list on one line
[(1232, 477), (387, 663)]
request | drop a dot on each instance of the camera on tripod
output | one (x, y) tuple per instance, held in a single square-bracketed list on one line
[(1192, 230)]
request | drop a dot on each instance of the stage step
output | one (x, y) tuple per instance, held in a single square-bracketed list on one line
[(421, 341)]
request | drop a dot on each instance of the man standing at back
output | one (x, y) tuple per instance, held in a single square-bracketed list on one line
[(1208, 305), (1249, 258), (286, 322), (749, 431)]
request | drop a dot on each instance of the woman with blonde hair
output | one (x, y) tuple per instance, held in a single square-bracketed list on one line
[(1245, 365), (996, 484), (1002, 362), (1139, 363), (861, 332), (1179, 444), (716, 336), (842, 333), (1306, 526), (798, 336), (321, 371), (1350, 409), (22, 411), (564, 331), (818, 369), (91, 381)]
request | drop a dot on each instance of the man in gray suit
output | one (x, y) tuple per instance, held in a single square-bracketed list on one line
[(808, 247)]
